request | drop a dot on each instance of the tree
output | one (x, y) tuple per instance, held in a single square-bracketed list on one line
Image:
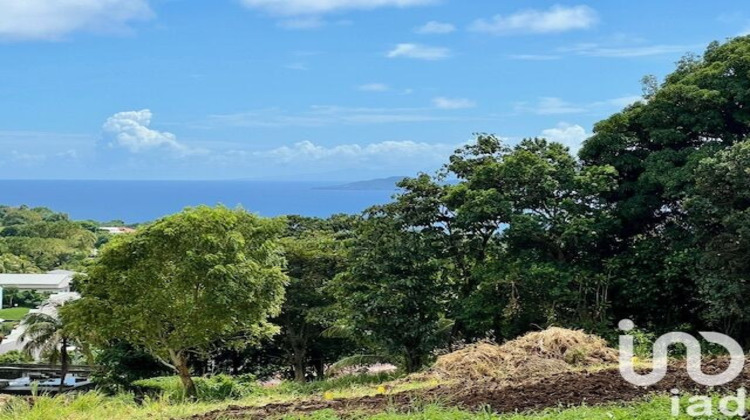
[(44, 335), (657, 146), (184, 284), (719, 213), (315, 254), (392, 297)]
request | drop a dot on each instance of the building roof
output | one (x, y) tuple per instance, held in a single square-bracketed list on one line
[(56, 280)]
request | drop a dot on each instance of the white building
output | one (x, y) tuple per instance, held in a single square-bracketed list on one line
[(117, 230), (55, 281)]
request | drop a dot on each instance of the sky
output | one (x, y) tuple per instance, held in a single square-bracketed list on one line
[(319, 89)]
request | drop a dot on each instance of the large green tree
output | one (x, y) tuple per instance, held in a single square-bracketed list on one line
[(315, 254), (719, 213), (656, 146), (392, 297), (184, 284)]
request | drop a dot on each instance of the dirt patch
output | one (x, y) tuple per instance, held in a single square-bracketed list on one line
[(559, 390)]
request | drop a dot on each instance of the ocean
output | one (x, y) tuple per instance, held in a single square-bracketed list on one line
[(141, 201)]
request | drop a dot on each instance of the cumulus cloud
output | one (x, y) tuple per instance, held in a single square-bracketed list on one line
[(54, 19), (131, 130), (387, 150), (453, 103), (419, 52), (571, 135), (435, 27), (553, 20), (317, 7)]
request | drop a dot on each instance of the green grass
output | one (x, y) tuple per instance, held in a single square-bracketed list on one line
[(93, 406), (13, 314)]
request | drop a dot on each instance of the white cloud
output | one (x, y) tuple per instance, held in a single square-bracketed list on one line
[(550, 106), (598, 50), (302, 23), (435, 27), (555, 106), (555, 19), (571, 135), (387, 150), (130, 130), (420, 52), (374, 87), (27, 159), (453, 103), (53, 19), (318, 7), (327, 115)]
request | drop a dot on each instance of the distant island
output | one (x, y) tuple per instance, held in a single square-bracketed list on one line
[(382, 184)]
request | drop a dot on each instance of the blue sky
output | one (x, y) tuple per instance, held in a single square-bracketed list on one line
[(318, 89)]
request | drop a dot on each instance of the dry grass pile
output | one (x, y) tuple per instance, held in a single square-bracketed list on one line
[(534, 355)]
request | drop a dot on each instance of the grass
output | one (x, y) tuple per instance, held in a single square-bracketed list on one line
[(13, 314), (93, 405)]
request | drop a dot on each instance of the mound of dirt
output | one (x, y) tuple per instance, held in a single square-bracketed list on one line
[(537, 354)]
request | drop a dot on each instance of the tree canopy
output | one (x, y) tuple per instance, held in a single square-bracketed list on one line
[(183, 284)]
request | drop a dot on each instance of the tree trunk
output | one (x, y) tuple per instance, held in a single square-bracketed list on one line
[(63, 363), (181, 365), (299, 357), (413, 361)]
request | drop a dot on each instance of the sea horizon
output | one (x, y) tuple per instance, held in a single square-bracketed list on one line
[(137, 201)]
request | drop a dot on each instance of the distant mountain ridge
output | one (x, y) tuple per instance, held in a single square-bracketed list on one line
[(380, 184)]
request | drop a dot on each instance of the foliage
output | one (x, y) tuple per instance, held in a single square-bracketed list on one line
[(45, 336), (315, 253), (183, 284), (14, 357), (214, 388), (657, 147), (392, 296), (719, 212), (23, 298), (38, 239), (120, 364)]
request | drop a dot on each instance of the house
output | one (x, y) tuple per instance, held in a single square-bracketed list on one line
[(54, 281)]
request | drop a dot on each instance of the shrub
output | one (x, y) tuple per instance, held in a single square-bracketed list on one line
[(214, 388), (13, 357)]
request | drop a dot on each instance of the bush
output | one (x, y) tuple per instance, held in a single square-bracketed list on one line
[(13, 357), (214, 388)]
